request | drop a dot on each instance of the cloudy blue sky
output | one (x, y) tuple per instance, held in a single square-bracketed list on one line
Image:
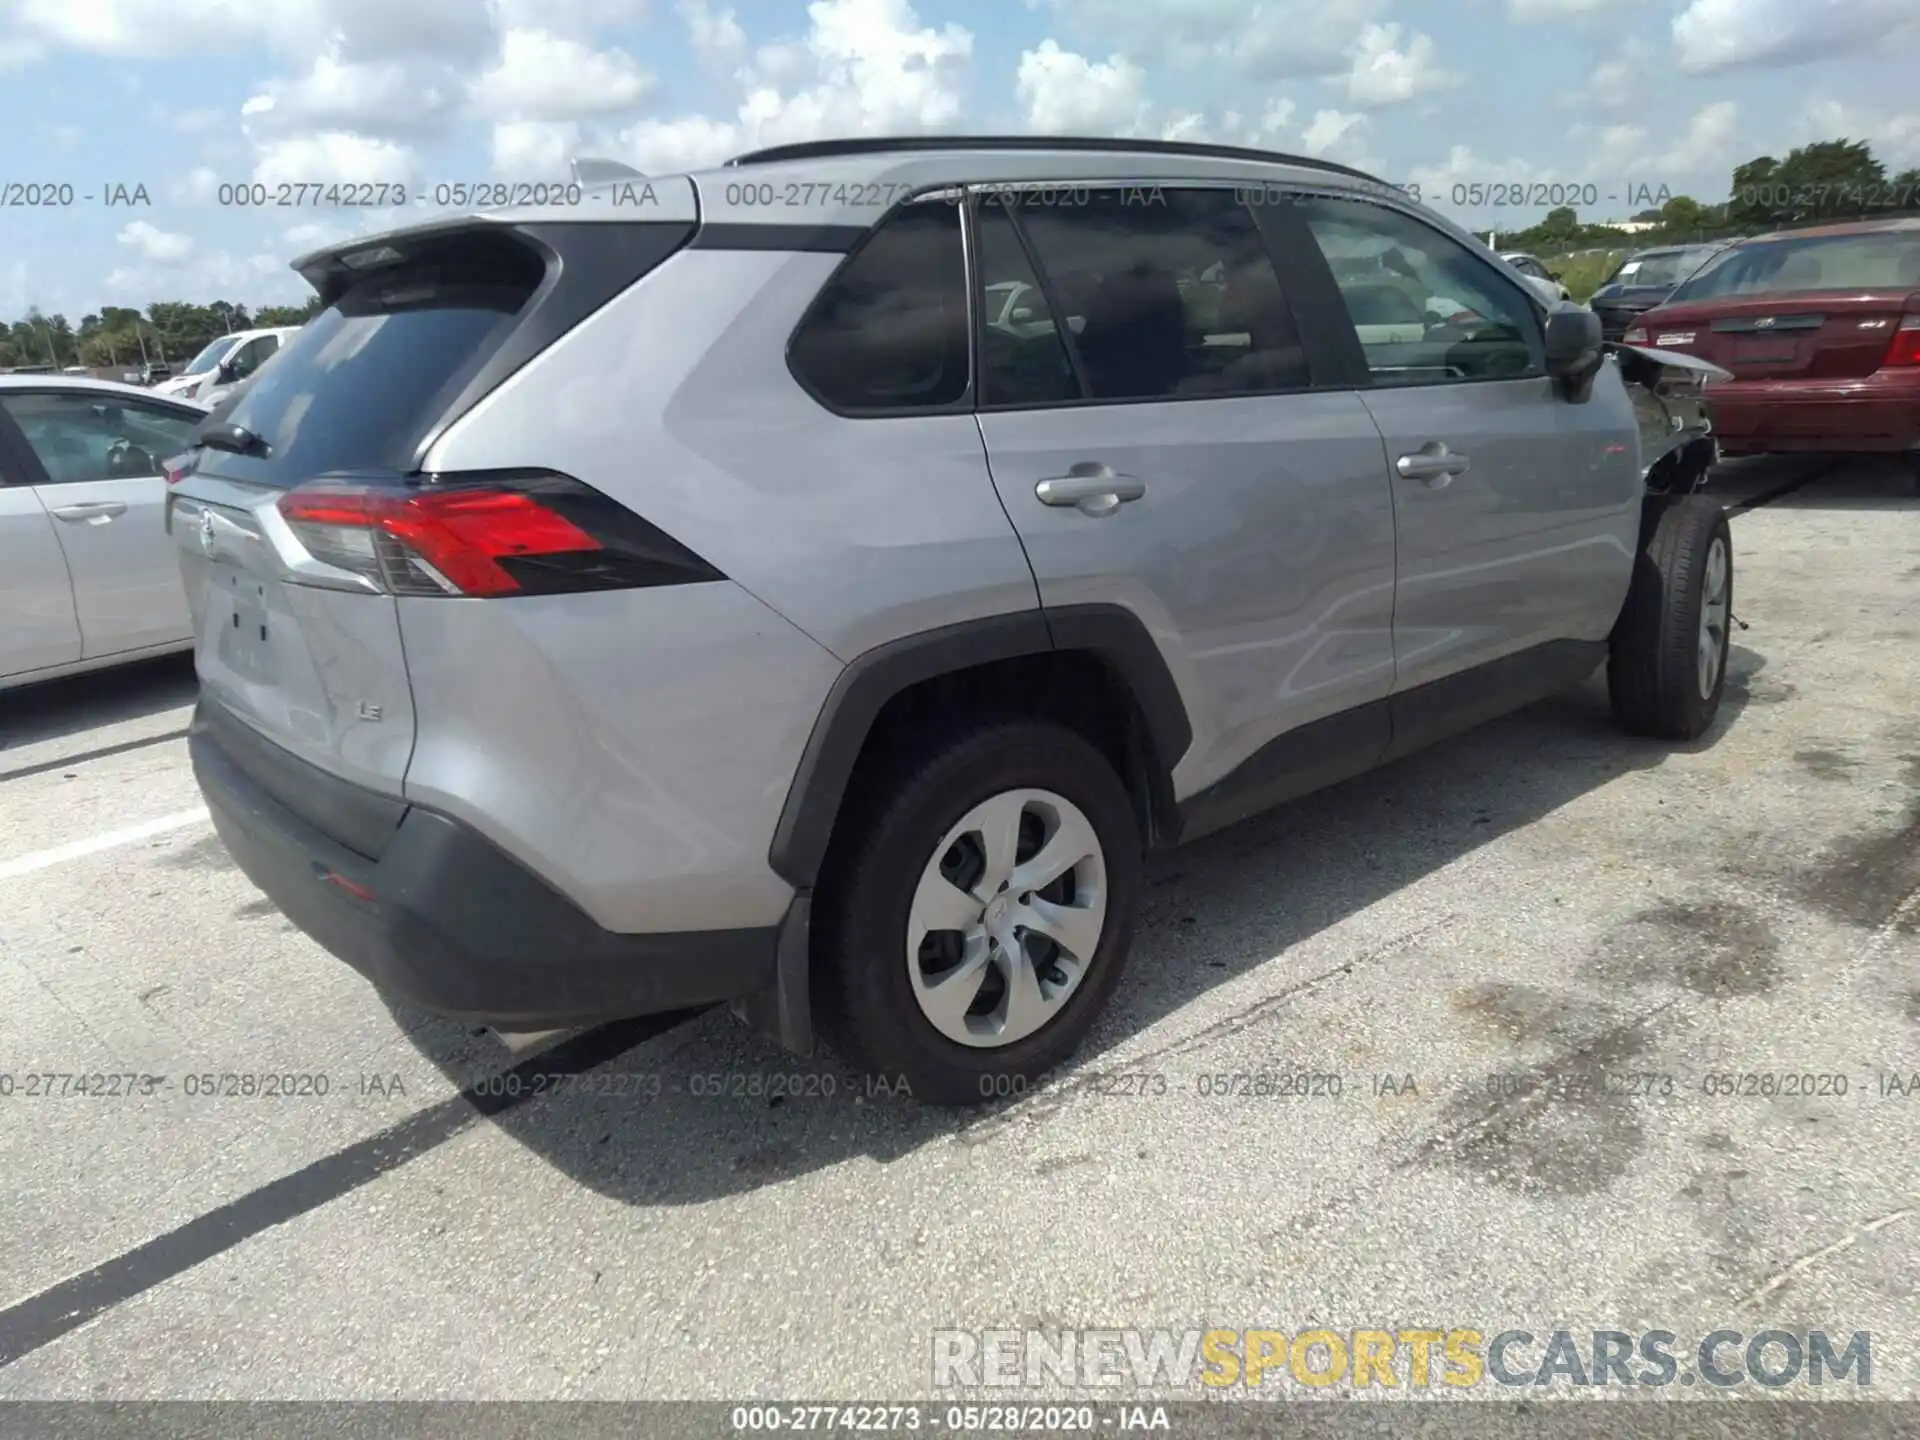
[(182, 95)]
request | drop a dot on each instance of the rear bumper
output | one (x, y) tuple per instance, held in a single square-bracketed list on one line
[(1878, 414), (446, 921)]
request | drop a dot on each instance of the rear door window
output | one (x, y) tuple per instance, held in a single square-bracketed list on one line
[(1167, 293), (888, 333)]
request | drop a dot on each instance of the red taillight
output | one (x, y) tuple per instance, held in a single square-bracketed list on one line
[(1905, 349), (458, 535), (523, 533)]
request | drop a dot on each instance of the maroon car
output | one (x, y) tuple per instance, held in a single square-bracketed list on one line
[(1820, 329)]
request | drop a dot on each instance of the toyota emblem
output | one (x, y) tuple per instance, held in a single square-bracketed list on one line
[(206, 529), (1765, 322)]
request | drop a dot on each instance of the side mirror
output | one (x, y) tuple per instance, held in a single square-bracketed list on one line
[(225, 373), (1575, 348)]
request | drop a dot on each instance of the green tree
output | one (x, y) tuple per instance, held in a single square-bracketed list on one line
[(1750, 198), (287, 314), (1684, 217), (1903, 191), (1827, 180), (1831, 179)]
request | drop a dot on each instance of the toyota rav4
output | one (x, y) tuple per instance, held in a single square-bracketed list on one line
[(713, 592)]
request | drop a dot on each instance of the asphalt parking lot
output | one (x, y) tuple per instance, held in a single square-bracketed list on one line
[(1490, 944)]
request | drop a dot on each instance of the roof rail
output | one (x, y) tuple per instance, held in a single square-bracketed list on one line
[(591, 170), (880, 145)]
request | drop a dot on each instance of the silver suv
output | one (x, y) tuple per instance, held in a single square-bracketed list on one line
[(711, 592)]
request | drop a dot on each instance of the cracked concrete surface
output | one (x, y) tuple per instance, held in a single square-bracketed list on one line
[(1602, 964)]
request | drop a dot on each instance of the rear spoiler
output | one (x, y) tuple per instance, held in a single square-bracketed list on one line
[(634, 197)]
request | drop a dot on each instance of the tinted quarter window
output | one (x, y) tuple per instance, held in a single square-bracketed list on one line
[(889, 331), (1168, 292), (1426, 309), (81, 437)]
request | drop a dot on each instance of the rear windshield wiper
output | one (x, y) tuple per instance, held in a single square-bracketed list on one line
[(234, 439)]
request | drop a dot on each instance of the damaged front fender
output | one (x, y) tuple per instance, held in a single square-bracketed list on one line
[(1668, 389)]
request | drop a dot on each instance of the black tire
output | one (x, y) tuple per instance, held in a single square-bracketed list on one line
[(1652, 662), (864, 1002)]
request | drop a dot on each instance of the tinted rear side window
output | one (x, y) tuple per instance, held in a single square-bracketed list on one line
[(889, 331)]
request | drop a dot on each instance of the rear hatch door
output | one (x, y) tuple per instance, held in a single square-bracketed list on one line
[(303, 652)]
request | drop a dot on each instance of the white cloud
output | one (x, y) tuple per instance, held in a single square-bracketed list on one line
[(312, 235), (393, 98), (1895, 138), (196, 187), (543, 76), (717, 38), (1464, 167), (196, 122), (1696, 161), (661, 147), (1711, 35), (1067, 94), (1525, 10), (16, 53), (864, 67), (568, 17), (1332, 134), (260, 278), (1616, 83), (1265, 39), (532, 149), (350, 29), (160, 247), (332, 157), (1385, 74)]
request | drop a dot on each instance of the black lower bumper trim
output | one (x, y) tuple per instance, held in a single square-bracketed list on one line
[(448, 922)]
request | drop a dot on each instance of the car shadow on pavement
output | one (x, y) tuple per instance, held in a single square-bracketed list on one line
[(56, 709), (1817, 482), (708, 1108)]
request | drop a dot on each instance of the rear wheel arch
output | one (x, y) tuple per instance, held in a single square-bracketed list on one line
[(1093, 667)]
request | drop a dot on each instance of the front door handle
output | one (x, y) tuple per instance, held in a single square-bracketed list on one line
[(91, 510), (1434, 463), (1092, 488)]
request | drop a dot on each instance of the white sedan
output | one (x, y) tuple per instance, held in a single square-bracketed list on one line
[(88, 575)]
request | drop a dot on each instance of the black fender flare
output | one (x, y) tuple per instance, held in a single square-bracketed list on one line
[(1111, 632)]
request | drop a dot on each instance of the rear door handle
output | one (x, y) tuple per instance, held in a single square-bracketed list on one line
[(91, 510), (1090, 487), (1433, 463)]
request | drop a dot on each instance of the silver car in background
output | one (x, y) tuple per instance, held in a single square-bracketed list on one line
[(88, 577)]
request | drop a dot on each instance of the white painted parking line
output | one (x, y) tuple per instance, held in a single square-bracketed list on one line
[(94, 844)]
